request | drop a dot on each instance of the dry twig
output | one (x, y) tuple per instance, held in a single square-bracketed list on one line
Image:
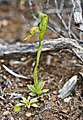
[(13, 73)]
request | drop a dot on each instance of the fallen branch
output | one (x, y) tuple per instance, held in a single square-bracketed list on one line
[(52, 44)]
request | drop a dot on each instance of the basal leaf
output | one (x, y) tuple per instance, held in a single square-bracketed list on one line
[(44, 91), (32, 94), (40, 85), (34, 100), (34, 105), (32, 88), (16, 108)]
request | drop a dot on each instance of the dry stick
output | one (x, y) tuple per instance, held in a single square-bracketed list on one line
[(63, 22), (69, 23), (31, 8), (51, 45), (56, 29), (60, 17), (13, 73), (65, 25), (77, 13), (37, 6), (61, 6), (47, 3)]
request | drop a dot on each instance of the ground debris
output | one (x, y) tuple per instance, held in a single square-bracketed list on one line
[(68, 87)]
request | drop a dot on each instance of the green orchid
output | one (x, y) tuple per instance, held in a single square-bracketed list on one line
[(41, 29)]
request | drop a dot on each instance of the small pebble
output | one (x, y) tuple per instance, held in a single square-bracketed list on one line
[(23, 58), (67, 99), (5, 23), (28, 114), (2, 61), (6, 113), (54, 92), (64, 110)]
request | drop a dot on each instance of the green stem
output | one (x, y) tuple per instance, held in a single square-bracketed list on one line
[(37, 63)]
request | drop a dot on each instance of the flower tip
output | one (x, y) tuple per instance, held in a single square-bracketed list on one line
[(25, 39)]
